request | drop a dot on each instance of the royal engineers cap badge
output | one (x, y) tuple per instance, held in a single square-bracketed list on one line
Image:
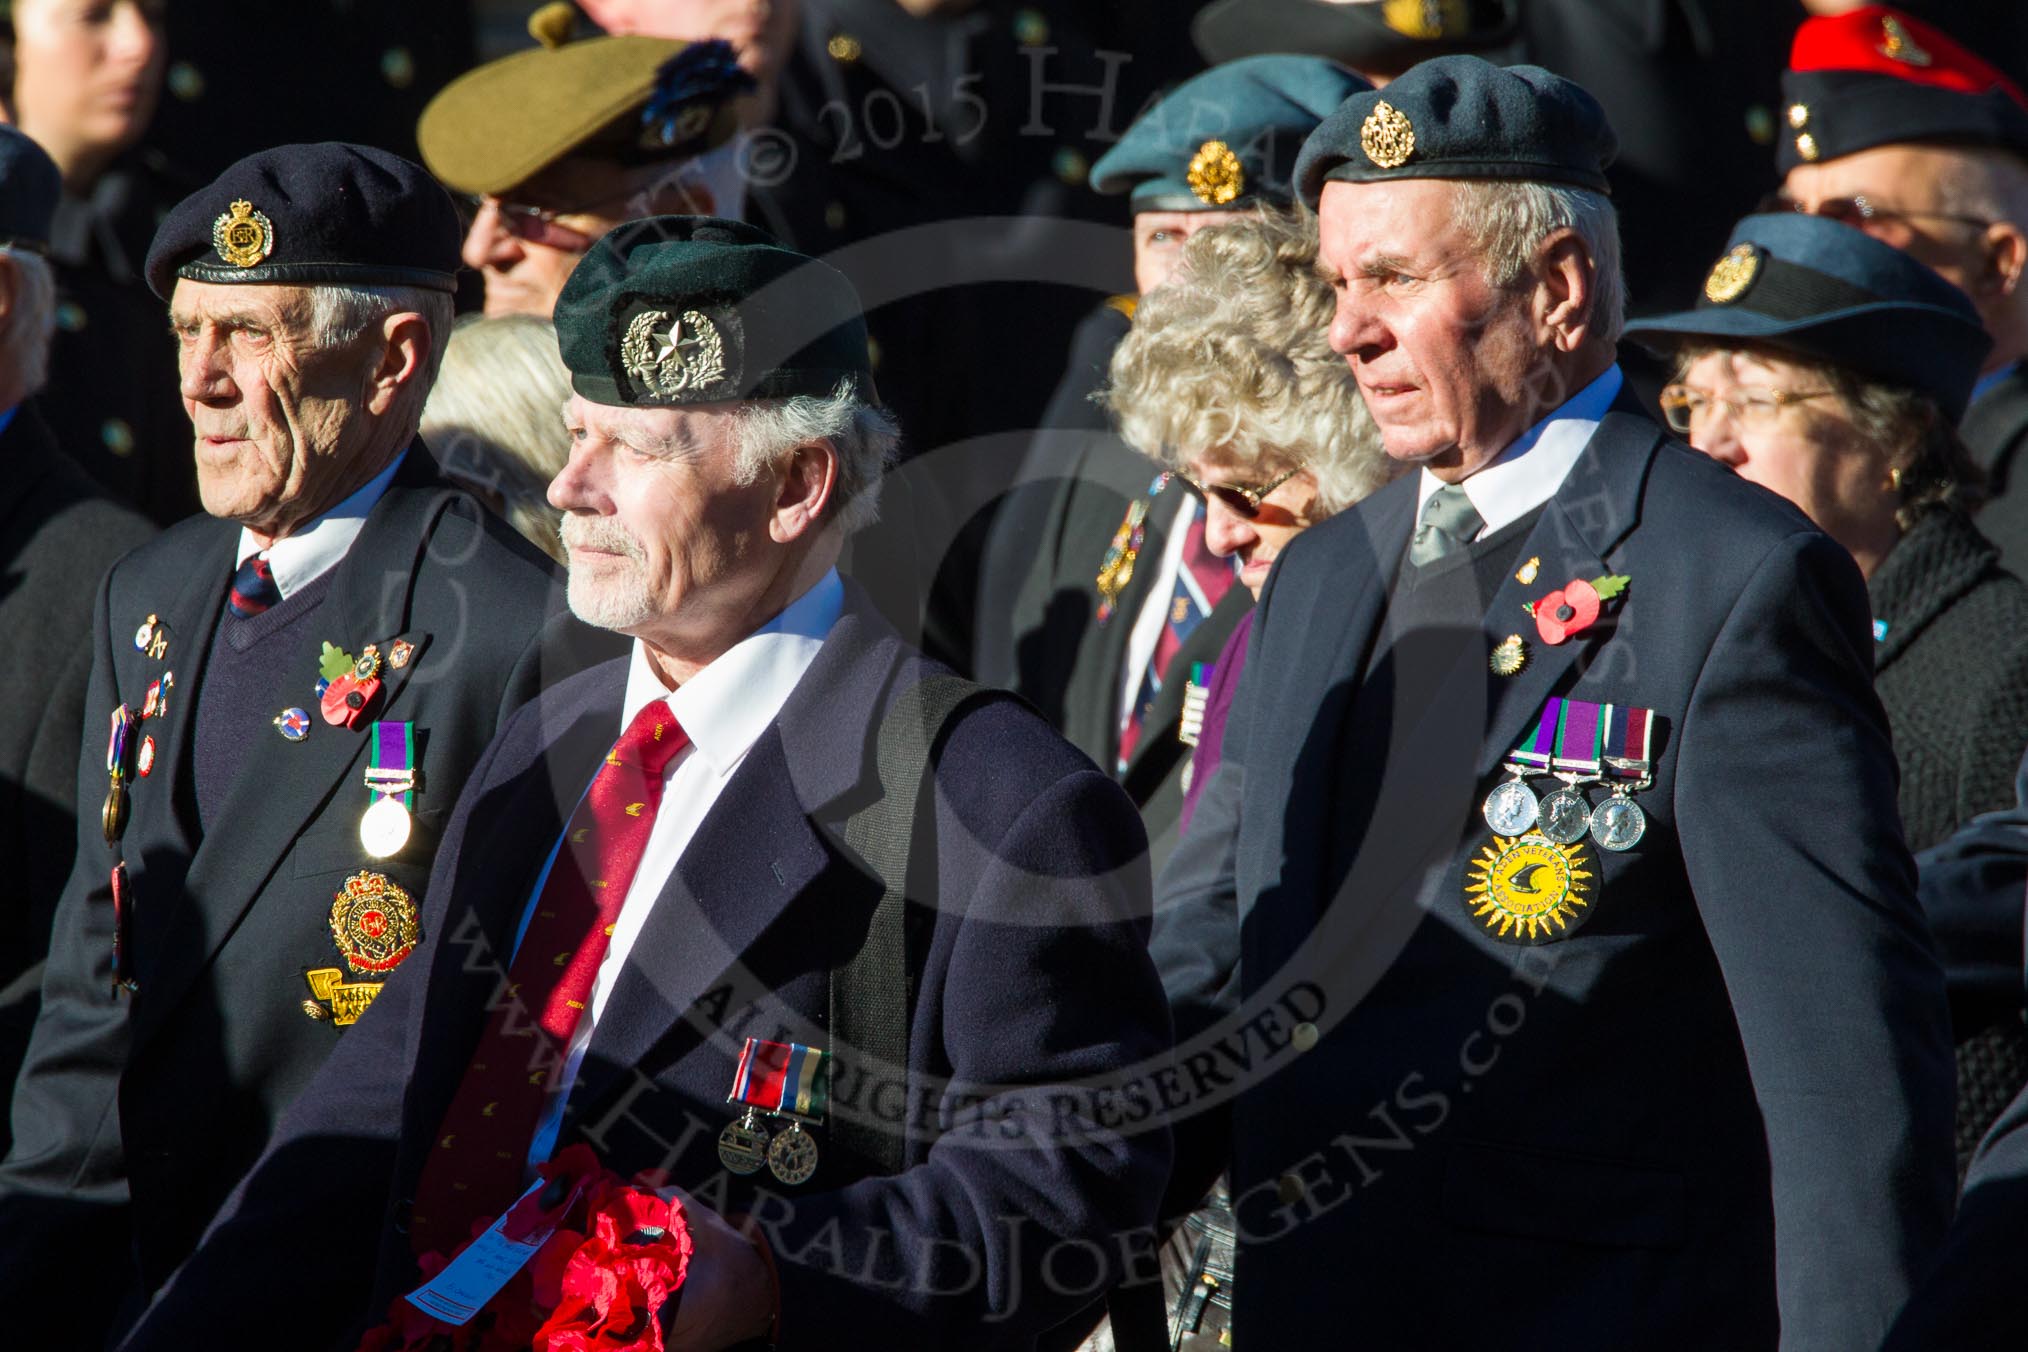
[(1387, 136), (1215, 175), (243, 236), (671, 358), (374, 923), (1732, 274)]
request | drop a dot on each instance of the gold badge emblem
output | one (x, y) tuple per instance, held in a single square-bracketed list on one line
[(333, 997), (1799, 116), (374, 923), (1732, 274), (1529, 572), (1420, 18), (243, 236), (1806, 146), (671, 358), (1897, 45), (1215, 174), (1509, 657), (1387, 136), (1530, 889)]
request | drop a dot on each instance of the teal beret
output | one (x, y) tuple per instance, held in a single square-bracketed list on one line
[(1227, 139), (676, 310), (1463, 117)]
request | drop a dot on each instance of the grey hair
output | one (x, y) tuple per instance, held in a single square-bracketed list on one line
[(1508, 221), (864, 434), (339, 314), (491, 417), (1232, 355), (24, 338), (1989, 184)]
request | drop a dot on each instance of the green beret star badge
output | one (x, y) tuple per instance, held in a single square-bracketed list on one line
[(1387, 136), (671, 357), (1216, 176), (243, 236)]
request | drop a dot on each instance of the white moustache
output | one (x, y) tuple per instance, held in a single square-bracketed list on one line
[(599, 533)]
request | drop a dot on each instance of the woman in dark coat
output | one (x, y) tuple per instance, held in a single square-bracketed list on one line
[(1832, 369)]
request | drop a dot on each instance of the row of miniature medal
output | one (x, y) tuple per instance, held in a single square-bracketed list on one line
[(150, 640), (1579, 743), (778, 1082)]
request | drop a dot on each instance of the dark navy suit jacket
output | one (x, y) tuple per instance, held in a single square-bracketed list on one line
[(1719, 1114), (1031, 975)]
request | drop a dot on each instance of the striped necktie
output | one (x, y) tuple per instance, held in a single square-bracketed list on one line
[(253, 588), (1201, 583)]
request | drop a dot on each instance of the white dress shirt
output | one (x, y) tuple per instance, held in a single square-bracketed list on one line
[(724, 708), (1528, 473), (1154, 616), (298, 559)]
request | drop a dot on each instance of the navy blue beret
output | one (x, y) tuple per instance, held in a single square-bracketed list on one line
[(678, 310), (1227, 139), (329, 214), (1463, 117), (1815, 287), (29, 188)]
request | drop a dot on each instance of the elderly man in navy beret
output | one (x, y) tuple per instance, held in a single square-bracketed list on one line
[(690, 888), (1562, 819), (292, 688)]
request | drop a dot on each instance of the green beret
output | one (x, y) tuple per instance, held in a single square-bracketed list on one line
[(677, 310), (627, 100), (1226, 140), (1463, 117)]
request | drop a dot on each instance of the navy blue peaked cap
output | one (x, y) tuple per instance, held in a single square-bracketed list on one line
[(1227, 139), (1462, 116), (29, 188), (329, 214), (1815, 287)]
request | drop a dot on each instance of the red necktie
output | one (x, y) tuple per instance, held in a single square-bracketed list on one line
[(475, 1170), (1201, 583)]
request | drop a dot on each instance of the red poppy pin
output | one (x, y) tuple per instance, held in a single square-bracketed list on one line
[(1573, 607)]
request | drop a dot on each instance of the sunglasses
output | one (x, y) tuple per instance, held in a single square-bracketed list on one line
[(1859, 211), (1242, 500)]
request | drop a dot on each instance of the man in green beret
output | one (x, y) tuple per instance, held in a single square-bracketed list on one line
[(553, 146), (642, 936)]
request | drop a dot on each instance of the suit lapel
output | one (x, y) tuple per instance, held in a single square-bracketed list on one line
[(167, 810)]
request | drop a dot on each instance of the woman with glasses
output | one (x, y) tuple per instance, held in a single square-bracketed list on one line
[(1832, 368), (1226, 379)]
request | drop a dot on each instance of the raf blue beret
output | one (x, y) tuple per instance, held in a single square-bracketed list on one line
[(29, 188), (678, 310), (1463, 117), (1821, 289), (1227, 139), (329, 214)]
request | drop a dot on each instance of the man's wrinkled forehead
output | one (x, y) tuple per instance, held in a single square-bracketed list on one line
[(249, 304), (689, 427), (1364, 224)]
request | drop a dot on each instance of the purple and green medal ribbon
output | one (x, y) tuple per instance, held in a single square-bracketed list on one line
[(391, 762), (1574, 736), (783, 1077)]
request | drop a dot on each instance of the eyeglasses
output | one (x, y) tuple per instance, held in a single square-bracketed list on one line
[(1242, 500), (1860, 211), (1751, 407), (537, 225)]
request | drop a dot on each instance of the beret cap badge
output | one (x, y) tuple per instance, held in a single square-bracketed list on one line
[(243, 236), (1897, 45), (1732, 274), (1216, 176), (1387, 136), (668, 359)]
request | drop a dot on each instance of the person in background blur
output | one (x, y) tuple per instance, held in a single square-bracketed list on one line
[(494, 420), (86, 75), (1832, 368)]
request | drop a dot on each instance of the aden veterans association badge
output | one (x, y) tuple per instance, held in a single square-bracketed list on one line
[(1530, 890), (374, 923)]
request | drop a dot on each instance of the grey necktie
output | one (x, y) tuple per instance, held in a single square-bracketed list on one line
[(1449, 523)]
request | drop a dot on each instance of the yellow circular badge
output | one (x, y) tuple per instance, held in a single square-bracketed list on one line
[(1732, 274), (1216, 175), (1528, 889)]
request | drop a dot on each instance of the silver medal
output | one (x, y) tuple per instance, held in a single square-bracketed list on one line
[(792, 1156), (385, 827), (743, 1145), (1510, 809), (1566, 816), (1618, 823)]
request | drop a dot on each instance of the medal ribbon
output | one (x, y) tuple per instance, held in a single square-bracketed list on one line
[(116, 745), (783, 1077), (391, 763), (1628, 733), (1536, 751), (1579, 738)]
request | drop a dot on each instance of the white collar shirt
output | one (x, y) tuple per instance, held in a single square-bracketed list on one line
[(298, 559), (724, 708), (1528, 473)]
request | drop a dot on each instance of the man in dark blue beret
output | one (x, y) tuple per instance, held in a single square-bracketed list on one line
[(1562, 824), (294, 687), (58, 535), (1076, 637), (670, 914)]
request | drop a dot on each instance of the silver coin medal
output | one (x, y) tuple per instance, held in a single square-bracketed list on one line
[(1618, 823), (391, 784), (1511, 808), (743, 1145), (1566, 813)]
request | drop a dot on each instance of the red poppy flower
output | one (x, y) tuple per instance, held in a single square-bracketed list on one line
[(1566, 612)]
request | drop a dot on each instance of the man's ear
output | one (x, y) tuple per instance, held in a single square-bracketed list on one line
[(10, 289), (1564, 291), (807, 479), (2006, 259), (405, 346)]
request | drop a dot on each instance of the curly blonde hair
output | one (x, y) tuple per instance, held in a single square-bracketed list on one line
[(1231, 356)]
